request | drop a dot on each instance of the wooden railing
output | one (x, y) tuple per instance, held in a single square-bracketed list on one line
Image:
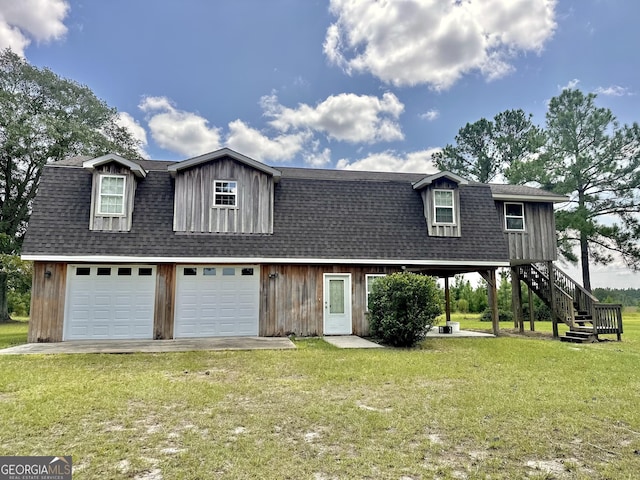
[(561, 302), (607, 318), (569, 296)]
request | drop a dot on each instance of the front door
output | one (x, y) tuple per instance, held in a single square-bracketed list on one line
[(337, 304)]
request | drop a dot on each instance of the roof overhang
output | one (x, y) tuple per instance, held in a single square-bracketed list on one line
[(224, 152), (137, 170), (511, 197), (265, 260), (429, 179)]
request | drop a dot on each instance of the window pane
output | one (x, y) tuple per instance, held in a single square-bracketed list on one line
[(228, 271), (104, 271), (443, 198), (189, 271), (145, 271), (112, 185), (515, 224), (247, 271), (444, 215), (124, 271), (336, 296), (209, 271), (513, 209), (83, 271)]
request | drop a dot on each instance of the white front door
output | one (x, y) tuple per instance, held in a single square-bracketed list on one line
[(337, 304)]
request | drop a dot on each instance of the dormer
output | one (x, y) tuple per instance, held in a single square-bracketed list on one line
[(112, 192), (441, 199), (223, 192)]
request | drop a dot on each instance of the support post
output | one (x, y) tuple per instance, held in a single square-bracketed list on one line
[(492, 293), (532, 313), (447, 300), (516, 300), (552, 294)]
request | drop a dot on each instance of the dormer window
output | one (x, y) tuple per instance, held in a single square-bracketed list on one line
[(111, 198), (514, 216), (443, 207), (225, 193)]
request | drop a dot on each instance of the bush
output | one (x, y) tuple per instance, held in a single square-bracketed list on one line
[(503, 316), (463, 306), (403, 308)]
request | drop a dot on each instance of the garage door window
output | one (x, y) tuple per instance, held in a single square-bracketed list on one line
[(228, 271), (247, 271), (83, 271), (191, 272), (145, 272), (208, 271), (124, 271), (104, 270)]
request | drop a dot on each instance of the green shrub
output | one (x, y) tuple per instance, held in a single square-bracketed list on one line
[(503, 316), (463, 306), (403, 307)]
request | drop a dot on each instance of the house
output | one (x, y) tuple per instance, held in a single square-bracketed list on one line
[(224, 245)]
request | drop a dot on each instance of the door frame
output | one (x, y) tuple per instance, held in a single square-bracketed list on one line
[(347, 300)]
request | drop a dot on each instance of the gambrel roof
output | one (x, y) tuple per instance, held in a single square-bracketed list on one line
[(321, 216)]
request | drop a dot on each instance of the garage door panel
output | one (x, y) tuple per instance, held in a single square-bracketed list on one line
[(217, 301), (109, 306)]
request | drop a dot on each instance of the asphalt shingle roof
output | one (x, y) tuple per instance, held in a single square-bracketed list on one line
[(319, 214)]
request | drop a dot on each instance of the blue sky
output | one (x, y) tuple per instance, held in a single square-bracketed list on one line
[(376, 85)]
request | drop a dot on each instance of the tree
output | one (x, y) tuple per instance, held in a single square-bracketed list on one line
[(44, 118), (486, 149), (596, 162)]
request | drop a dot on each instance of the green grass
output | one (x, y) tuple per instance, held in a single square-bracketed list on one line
[(14, 332), (505, 408)]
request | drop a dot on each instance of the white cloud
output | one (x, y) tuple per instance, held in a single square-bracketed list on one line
[(430, 115), (435, 42), (255, 144), (182, 132), (571, 84), (345, 117), (22, 21), (613, 91), (390, 161), (139, 133)]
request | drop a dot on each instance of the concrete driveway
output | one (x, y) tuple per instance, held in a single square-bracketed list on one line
[(153, 346)]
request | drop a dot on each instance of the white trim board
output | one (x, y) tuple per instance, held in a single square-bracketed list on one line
[(261, 260)]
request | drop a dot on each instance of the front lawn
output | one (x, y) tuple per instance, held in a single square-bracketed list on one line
[(14, 332), (503, 408)]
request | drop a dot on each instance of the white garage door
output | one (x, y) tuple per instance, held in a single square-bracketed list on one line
[(109, 302), (217, 301)]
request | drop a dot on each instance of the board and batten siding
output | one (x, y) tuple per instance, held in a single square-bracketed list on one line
[(537, 242), (48, 292), (112, 223), (193, 206), (165, 301), (291, 299), (441, 230)]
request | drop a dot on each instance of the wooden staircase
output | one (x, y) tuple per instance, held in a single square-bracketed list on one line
[(571, 304)]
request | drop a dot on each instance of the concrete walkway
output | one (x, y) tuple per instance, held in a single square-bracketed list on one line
[(153, 346), (350, 341), (433, 333)]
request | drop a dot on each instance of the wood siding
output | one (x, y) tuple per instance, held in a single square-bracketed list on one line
[(47, 302), (165, 302), (110, 223), (537, 243), (193, 205), (291, 298), (439, 230)]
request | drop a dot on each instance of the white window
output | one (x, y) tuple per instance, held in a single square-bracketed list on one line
[(370, 281), (225, 193), (443, 206), (111, 197), (514, 216)]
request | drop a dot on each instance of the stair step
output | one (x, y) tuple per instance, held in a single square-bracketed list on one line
[(576, 336), (582, 329)]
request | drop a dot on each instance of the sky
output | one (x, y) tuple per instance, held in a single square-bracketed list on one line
[(347, 84)]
